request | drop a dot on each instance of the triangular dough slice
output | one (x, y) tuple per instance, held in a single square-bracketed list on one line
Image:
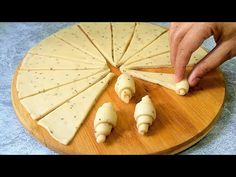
[(32, 82), (52, 46), (35, 62), (144, 34), (159, 46), (63, 123), (166, 80), (41, 104), (163, 60), (158, 61), (100, 35), (75, 37), (122, 34)]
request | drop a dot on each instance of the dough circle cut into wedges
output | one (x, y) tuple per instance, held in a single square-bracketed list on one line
[(61, 77)]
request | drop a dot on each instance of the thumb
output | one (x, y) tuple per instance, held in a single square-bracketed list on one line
[(215, 58)]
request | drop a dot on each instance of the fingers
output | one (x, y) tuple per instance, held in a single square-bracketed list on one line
[(177, 33), (185, 38), (191, 41), (215, 58), (173, 29)]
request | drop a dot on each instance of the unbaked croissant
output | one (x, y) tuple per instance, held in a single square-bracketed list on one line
[(182, 87), (144, 114), (125, 87), (105, 120)]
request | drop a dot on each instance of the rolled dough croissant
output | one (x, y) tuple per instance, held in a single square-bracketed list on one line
[(182, 87), (125, 87), (105, 120), (144, 114)]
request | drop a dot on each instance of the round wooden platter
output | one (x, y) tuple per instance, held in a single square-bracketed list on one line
[(181, 120)]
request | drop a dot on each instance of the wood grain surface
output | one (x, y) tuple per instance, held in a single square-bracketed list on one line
[(181, 120)]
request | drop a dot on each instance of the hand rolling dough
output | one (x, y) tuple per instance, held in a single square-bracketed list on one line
[(166, 80)]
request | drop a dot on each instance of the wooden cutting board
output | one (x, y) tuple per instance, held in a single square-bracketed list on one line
[(181, 120)]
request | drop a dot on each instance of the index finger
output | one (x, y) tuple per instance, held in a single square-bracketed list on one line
[(190, 43), (176, 38)]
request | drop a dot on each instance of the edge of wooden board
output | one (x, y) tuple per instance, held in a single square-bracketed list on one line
[(173, 150), (192, 141)]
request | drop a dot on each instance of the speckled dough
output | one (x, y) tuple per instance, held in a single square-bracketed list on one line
[(100, 34), (39, 62), (55, 47), (163, 79), (162, 60), (45, 102), (71, 115), (125, 87), (105, 120), (77, 38), (144, 34), (34, 82), (122, 34), (144, 114), (18, 38)]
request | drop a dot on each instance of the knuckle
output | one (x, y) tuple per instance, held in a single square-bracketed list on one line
[(202, 70), (177, 37), (205, 29), (184, 50)]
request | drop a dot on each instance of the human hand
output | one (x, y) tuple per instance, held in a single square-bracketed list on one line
[(185, 38)]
